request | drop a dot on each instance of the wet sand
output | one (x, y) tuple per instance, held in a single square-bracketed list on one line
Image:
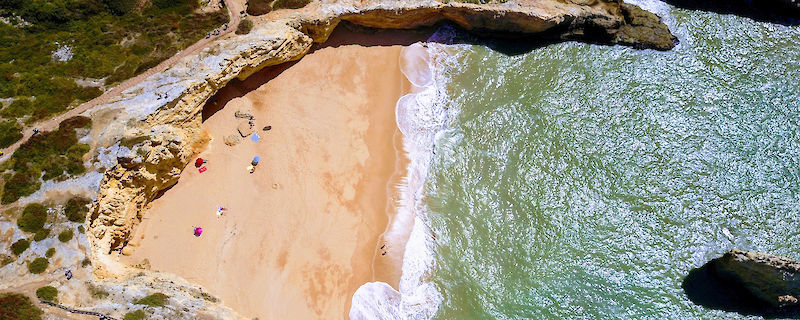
[(303, 232)]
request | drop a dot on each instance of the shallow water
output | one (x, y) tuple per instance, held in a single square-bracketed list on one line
[(584, 181)]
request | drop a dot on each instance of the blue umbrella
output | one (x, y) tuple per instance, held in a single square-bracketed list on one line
[(256, 159)]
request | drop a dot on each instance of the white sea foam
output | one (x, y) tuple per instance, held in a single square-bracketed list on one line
[(421, 116)]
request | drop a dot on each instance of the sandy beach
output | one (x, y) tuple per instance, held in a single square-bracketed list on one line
[(303, 231)]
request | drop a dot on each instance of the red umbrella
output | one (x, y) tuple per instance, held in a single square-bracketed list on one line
[(199, 162)]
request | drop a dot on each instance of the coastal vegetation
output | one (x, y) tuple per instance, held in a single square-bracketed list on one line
[(38, 265), (15, 306), (76, 209), (33, 218), (18, 247), (245, 26), (41, 234), (10, 132), (66, 235), (135, 315), (47, 293), (57, 54), (157, 299), (50, 252), (259, 7), (54, 155)]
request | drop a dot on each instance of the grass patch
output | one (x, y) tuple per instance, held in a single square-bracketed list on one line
[(38, 265), (33, 218), (66, 235), (76, 209), (47, 293), (157, 299), (54, 155), (245, 26), (50, 252), (96, 292), (15, 306), (135, 315), (70, 40), (41, 234), (17, 248)]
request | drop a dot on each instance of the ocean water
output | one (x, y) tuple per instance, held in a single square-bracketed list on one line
[(580, 181)]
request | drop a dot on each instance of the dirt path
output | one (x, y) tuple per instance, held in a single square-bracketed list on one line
[(233, 6)]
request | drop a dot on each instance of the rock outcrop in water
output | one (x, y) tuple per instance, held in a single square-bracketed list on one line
[(747, 282), (166, 133), (772, 279)]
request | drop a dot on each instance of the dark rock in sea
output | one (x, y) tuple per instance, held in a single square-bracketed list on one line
[(750, 283), (643, 27)]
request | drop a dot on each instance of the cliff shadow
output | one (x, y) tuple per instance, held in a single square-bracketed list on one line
[(704, 288), (759, 10), (350, 34)]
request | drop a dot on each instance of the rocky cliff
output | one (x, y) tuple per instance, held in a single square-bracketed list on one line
[(773, 280), (157, 124)]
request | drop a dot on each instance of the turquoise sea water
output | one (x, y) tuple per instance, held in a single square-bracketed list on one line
[(581, 181)]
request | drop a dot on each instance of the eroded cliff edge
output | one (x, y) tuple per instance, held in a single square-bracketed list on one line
[(152, 138)]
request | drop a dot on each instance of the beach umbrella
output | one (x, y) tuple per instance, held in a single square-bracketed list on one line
[(256, 159), (198, 162), (198, 231), (255, 137)]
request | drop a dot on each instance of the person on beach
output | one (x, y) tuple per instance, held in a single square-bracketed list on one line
[(251, 168)]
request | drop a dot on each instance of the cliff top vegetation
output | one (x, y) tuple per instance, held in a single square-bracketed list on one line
[(56, 54)]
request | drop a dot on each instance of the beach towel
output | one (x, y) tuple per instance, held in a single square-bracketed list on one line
[(255, 137), (203, 169)]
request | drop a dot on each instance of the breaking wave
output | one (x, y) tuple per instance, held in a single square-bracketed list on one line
[(421, 116)]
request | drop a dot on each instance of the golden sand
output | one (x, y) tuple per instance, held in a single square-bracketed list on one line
[(303, 232)]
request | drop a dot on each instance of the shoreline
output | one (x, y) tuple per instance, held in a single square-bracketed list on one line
[(315, 184)]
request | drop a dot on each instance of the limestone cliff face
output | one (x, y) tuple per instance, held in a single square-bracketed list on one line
[(773, 280), (159, 120)]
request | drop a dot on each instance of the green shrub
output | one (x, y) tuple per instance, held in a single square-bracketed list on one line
[(10, 132), (245, 26), (47, 293), (38, 265), (76, 209), (81, 229), (50, 252), (290, 4), (258, 7), (136, 315), (15, 306), (65, 235), (33, 217), (41, 234), (17, 248), (157, 299)]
